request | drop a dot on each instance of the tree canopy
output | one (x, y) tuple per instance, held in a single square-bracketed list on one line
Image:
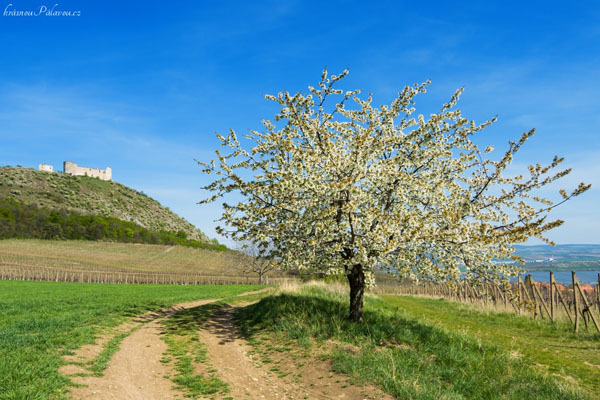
[(337, 185)]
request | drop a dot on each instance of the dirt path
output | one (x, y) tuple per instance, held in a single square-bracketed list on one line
[(135, 370), (228, 353)]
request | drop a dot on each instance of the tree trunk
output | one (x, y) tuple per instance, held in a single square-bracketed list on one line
[(356, 278), (260, 278)]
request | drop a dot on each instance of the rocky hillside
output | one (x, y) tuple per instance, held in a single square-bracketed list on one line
[(93, 197)]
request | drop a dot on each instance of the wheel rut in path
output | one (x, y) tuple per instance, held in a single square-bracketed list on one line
[(135, 370)]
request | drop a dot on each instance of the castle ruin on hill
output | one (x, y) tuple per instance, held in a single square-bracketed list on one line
[(72, 168), (46, 167)]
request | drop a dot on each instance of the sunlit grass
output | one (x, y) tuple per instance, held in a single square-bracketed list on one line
[(408, 357), (552, 346)]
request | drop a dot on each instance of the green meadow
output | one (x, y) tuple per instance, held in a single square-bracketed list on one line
[(411, 348)]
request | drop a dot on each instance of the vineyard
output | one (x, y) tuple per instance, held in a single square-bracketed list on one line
[(544, 300), (104, 262)]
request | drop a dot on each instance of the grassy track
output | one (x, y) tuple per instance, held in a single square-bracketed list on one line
[(186, 353), (409, 357), (40, 321), (552, 346)]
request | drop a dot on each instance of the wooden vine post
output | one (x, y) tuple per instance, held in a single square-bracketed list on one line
[(519, 297), (542, 301), (586, 304), (531, 299), (526, 292), (552, 295), (598, 293), (575, 302)]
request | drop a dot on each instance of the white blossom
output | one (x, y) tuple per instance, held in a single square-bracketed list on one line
[(348, 185)]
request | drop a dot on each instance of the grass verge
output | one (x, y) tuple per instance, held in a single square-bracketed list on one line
[(408, 357), (552, 346)]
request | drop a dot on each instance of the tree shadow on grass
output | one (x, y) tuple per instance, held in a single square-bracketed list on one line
[(409, 358), (217, 318), (191, 319), (325, 318)]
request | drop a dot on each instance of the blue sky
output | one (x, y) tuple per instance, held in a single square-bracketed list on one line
[(143, 87)]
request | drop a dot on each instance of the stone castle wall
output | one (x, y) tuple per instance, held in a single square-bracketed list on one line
[(45, 167), (72, 169)]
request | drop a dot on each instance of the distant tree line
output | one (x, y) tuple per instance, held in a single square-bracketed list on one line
[(19, 220)]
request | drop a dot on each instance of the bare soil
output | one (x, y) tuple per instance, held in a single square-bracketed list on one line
[(135, 370)]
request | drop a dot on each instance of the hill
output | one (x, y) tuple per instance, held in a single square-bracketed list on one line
[(563, 252), (91, 196), (562, 256)]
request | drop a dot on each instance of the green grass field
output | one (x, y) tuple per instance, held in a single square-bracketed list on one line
[(41, 321), (412, 348), (409, 355), (551, 346)]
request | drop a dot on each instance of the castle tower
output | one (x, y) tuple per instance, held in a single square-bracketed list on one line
[(69, 168)]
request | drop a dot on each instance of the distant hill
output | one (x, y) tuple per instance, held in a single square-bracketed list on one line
[(562, 256), (563, 252), (91, 196)]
